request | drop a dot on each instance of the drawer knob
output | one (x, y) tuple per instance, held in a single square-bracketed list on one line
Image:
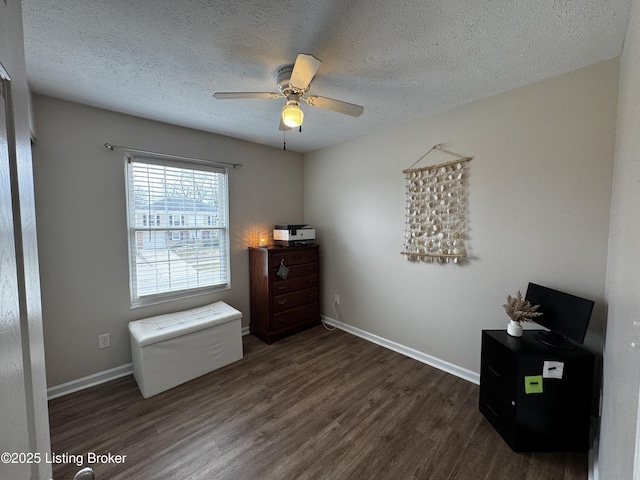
[(282, 302)]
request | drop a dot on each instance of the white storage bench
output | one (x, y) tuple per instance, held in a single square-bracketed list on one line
[(171, 349)]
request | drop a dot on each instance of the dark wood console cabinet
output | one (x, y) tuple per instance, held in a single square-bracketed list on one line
[(281, 307), (556, 419)]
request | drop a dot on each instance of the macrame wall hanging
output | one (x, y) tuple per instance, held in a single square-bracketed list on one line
[(435, 211)]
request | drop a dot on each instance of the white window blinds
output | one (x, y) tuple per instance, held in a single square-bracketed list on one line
[(178, 229)]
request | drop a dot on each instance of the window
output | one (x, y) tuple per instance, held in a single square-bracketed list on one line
[(171, 256), (151, 220)]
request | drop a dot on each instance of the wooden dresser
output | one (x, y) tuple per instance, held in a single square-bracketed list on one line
[(279, 306)]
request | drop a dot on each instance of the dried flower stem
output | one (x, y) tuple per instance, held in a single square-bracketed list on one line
[(519, 309)]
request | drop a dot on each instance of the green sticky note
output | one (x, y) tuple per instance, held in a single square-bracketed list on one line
[(533, 384)]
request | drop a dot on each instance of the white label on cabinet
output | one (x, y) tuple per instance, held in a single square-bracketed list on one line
[(553, 370)]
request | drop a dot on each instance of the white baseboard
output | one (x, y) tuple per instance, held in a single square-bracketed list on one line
[(97, 378), (89, 381), (438, 363)]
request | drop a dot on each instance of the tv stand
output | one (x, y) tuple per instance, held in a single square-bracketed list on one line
[(556, 419), (554, 340)]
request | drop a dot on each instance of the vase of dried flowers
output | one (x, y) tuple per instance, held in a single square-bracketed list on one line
[(514, 328), (519, 310)]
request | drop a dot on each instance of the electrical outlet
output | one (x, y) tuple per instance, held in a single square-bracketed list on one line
[(336, 299), (104, 340)]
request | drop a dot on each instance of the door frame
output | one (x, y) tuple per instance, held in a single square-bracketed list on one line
[(24, 401)]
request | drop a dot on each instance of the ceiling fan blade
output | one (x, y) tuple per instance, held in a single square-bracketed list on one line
[(304, 70), (232, 95), (335, 105)]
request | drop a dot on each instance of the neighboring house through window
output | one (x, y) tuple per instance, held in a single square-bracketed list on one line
[(178, 228)]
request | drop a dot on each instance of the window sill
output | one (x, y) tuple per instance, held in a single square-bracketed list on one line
[(173, 296)]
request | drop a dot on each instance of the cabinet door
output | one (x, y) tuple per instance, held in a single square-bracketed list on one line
[(558, 419), (536, 414)]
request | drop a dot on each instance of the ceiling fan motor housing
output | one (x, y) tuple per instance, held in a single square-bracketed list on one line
[(283, 76)]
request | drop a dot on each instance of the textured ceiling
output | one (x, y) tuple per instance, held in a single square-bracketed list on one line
[(400, 59)]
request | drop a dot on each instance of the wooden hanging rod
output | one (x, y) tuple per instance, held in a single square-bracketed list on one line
[(435, 255), (446, 164)]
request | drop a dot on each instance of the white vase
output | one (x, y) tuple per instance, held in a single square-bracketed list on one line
[(514, 329)]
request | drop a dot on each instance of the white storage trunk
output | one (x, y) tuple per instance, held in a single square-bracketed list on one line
[(168, 350)]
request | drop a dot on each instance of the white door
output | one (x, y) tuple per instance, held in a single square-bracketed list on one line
[(24, 426)]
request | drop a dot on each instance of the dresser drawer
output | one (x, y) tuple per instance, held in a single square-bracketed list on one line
[(294, 299), (302, 314), (497, 375), (286, 286), (293, 257), (296, 271), (500, 414)]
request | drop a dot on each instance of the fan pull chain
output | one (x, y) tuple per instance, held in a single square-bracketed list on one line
[(284, 137)]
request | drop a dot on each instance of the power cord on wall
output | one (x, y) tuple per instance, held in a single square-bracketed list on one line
[(335, 312)]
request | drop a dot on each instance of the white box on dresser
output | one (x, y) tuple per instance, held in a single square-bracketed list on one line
[(171, 349)]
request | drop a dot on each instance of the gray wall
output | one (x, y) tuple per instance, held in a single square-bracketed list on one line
[(618, 442), (538, 210), (80, 200)]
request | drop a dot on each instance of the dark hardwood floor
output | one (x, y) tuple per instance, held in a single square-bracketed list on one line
[(318, 405)]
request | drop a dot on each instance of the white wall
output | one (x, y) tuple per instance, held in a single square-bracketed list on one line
[(621, 362), (538, 210), (80, 199)]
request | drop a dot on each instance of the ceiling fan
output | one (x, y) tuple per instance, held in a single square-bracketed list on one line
[(293, 83)]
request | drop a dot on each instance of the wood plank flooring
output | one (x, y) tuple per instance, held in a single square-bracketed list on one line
[(318, 405)]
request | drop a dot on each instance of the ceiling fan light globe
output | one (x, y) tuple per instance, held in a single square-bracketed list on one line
[(292, 116)]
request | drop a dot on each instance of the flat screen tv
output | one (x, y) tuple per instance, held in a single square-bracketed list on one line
[(565, 315)]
